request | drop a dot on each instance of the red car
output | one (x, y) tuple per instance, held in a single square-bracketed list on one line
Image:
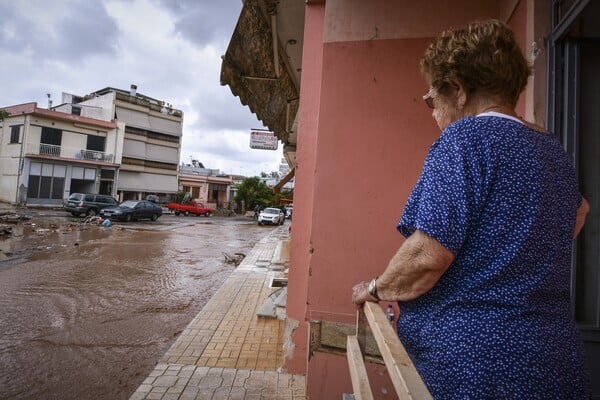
[(189, 208)]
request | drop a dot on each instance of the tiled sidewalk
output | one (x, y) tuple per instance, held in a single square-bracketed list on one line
[(227, 352)]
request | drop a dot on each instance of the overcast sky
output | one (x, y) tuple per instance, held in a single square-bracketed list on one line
[(171, 49)]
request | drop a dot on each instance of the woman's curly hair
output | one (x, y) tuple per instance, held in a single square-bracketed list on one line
[(483, 56)]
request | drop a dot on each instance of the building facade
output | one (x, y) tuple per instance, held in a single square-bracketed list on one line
[(207, 186), (151, 140), (45, 155), (351, 98)]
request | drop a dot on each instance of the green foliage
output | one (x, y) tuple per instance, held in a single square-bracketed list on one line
[(253, 191), (179, 197), (3, 114)]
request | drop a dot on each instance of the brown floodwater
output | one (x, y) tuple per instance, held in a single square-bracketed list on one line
[(87, 313)]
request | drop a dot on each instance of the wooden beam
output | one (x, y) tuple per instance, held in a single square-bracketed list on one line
[(361, 330), (358, 371), (404, 376)]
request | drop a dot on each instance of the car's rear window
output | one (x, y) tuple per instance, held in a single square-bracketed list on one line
[(75, 196), (105, 200)]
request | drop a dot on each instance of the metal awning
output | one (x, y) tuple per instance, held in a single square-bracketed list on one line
[(249, 68)]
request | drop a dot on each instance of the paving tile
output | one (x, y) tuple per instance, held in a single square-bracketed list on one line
[(189, 393), (138, 396), (210, 382), (165, 381), (237, 393), (154, 396)]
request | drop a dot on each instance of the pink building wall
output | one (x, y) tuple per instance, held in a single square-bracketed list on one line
[(364, 132), (304, 202)]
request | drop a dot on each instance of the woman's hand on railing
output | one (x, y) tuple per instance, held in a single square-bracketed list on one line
[(360, 294)]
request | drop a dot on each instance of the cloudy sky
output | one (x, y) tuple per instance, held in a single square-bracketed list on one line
[(171, 49)]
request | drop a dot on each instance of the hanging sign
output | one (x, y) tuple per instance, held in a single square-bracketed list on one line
[(264, 140)]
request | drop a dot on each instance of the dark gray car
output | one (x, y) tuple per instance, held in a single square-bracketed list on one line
[(132, 210), (87, 203)]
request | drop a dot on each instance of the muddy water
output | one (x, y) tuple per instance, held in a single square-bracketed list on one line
[(90, 315)]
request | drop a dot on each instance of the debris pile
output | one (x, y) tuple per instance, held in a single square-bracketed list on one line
[(10, 217), (5, 230), (234, 259)]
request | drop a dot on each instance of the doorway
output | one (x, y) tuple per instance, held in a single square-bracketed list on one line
[(574, 101)]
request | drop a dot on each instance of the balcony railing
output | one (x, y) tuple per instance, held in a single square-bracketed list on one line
[(52, 150)]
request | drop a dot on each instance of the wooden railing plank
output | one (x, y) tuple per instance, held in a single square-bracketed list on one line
[(358, 371), (361, 330), (404, 376)]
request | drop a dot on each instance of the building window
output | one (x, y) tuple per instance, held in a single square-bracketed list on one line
[(15, 134), (95, 143), (75, 110), (51, 136), (46, 181)]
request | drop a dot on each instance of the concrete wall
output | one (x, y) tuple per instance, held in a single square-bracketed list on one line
[(10, 158), (101, 107), (363, 136)]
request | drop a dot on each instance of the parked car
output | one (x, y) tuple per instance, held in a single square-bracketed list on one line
[(288, 212), (190, 207), (132, 210), (87, 203), (272, 216)]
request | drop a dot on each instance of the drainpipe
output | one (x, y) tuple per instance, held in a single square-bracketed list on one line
[(21, 157), (114, 160)]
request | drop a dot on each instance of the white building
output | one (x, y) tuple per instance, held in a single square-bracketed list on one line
[(111, 141), (45, 155), (150, 131)]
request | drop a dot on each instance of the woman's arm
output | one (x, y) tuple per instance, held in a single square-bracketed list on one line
[(414, 270), (582, 212)]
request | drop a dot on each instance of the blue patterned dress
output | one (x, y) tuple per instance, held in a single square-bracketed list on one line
[(498, 324)]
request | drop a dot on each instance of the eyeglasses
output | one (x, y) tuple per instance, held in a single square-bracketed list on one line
[(428, 98)]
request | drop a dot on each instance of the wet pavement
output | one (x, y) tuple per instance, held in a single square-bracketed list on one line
[(88, 311)]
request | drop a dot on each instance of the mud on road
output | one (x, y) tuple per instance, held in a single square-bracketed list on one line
[(87, 311)]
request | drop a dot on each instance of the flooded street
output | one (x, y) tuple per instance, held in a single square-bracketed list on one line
[(91, 311)]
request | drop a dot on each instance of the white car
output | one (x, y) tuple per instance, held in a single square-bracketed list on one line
[(271, 216)]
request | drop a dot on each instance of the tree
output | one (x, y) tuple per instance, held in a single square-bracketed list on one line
[(3, 114), (253, 191)]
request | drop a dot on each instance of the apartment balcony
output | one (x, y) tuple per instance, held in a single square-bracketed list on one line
[(53, 151)]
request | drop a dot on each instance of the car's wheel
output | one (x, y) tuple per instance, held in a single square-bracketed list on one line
[(91, 212), (207, 214), (260, 223), (75, 214), (154, 217), (177, 213), (128, 218), (186, 213), (281, 223)]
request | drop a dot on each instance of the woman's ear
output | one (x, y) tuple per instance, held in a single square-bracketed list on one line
[(461, 95)]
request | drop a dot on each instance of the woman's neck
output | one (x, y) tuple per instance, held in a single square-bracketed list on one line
[(481, 104)]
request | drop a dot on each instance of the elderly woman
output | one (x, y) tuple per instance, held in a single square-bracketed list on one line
[(482, 280)]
